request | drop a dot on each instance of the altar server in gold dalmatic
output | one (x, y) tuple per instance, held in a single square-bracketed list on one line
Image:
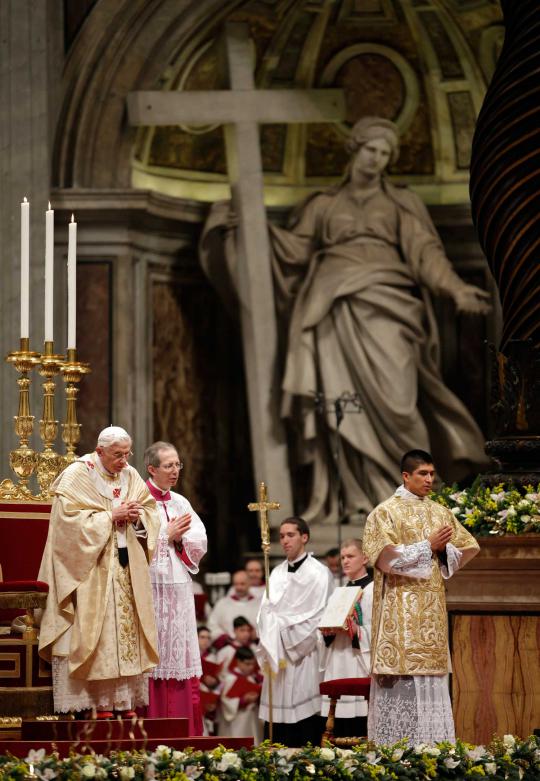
[(98, 628), (414, 545)]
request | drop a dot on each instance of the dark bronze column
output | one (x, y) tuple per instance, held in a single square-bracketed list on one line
[(505, 196)]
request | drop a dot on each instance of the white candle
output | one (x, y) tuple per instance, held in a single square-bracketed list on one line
[(25, 269), (72, 284), (49, 273)]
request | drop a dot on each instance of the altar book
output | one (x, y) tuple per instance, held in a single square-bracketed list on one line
[(340, 608)]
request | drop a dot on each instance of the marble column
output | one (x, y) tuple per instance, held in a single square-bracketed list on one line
[(505, 196), (31, 56)]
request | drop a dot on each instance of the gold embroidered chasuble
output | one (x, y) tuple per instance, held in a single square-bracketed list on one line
[(99, 614), (409, 622)]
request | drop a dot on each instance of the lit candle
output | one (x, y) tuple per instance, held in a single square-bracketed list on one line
[(72, 284), (49, 273), (25, 269)]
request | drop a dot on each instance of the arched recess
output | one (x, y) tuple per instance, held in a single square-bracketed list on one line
[(123, 45)]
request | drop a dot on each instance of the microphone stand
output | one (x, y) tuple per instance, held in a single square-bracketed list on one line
[(347, 402)]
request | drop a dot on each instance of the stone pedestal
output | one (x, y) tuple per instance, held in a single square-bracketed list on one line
[(494, 611)]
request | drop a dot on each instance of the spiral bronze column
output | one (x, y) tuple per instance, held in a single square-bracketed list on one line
[(505, 197)]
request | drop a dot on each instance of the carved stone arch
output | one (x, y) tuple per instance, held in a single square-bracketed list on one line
[(124, 45)]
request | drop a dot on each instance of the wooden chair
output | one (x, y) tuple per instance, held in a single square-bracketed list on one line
[(355, 687)]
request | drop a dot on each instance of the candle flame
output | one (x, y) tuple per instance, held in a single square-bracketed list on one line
[(25, 200), (49, 206), (72, 218)]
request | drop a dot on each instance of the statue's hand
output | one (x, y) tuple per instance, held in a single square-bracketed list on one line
[(471, 299)]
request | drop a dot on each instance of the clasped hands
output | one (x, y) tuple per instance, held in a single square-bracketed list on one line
[(178, 527), (127, 512), (439, 538)]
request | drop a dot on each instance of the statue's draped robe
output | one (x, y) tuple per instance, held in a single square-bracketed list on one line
[(409, 646), (98, 627), (353, 276)]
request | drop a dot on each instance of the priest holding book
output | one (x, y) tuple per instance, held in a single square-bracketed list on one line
[(347, 652)]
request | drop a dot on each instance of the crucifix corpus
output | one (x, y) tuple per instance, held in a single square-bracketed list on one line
[(263, 507), (241, 109)]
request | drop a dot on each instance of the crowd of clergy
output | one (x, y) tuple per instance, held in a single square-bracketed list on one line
[(123, 636)]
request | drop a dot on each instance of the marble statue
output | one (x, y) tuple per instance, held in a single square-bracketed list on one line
[(354, 274)]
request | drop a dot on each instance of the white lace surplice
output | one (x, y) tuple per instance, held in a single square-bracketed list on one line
[(417, 707), (179, 655), (72, 694)]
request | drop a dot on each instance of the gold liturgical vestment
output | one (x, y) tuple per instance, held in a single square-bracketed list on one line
[(409, 623), (99, 615)]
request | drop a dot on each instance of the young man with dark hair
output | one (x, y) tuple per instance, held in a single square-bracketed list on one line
[(414, 544), (288, 649)]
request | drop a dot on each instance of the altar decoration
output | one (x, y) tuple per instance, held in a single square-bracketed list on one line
[(504, 758), (24, 460), (496, 510)]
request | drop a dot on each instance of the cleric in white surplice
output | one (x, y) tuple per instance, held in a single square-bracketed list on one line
[(289, 641)]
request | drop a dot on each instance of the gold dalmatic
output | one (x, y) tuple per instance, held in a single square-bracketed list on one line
[(409, 623)]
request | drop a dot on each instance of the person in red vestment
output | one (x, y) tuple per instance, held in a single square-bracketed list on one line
[(174, 685)]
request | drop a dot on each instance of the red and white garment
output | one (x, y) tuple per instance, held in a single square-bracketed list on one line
[(170, 573)]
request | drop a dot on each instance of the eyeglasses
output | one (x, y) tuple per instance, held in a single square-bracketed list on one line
[(172, 465), (123, 456)]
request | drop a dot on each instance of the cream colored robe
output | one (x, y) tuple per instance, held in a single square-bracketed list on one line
[(98, 614), (409, 623)]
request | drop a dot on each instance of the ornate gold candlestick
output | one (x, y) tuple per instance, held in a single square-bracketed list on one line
[(23, 459), (49, 463), (73, 370)]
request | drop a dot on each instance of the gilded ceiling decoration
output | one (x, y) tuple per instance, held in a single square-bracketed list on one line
[(423, 63)]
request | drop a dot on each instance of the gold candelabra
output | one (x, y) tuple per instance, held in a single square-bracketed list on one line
[(23, 459), (73, 370), (49, 463)]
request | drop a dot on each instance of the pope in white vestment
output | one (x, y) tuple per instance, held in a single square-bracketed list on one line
[(289, 640), (98, 628)]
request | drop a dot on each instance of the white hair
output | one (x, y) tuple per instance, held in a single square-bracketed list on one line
[(113, 435)]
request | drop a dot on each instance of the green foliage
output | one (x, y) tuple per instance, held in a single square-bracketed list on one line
[(505, 758), (496, 510)]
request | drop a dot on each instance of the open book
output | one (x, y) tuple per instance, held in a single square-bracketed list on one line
[(340, 608)]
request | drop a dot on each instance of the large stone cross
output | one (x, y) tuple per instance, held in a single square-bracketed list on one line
[(241, 109)]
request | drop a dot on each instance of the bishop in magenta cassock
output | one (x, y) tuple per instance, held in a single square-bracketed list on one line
[(174, 685)]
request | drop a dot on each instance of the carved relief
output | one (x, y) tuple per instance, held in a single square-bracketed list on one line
[(185, 381)]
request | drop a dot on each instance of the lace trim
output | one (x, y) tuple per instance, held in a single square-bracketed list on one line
[(179, 655), (414, 560), (453, 557), (71, 694), (414, 707)]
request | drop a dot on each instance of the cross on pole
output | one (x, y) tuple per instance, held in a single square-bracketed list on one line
[(263, 507), (241, 109)]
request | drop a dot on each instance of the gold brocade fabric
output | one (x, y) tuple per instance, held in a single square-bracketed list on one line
[(409, 623), (106, 610)]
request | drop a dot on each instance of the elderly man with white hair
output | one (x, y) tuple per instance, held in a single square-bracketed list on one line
[(98, 628)]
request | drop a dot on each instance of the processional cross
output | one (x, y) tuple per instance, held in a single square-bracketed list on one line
[(263, 506), (241, 109)]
